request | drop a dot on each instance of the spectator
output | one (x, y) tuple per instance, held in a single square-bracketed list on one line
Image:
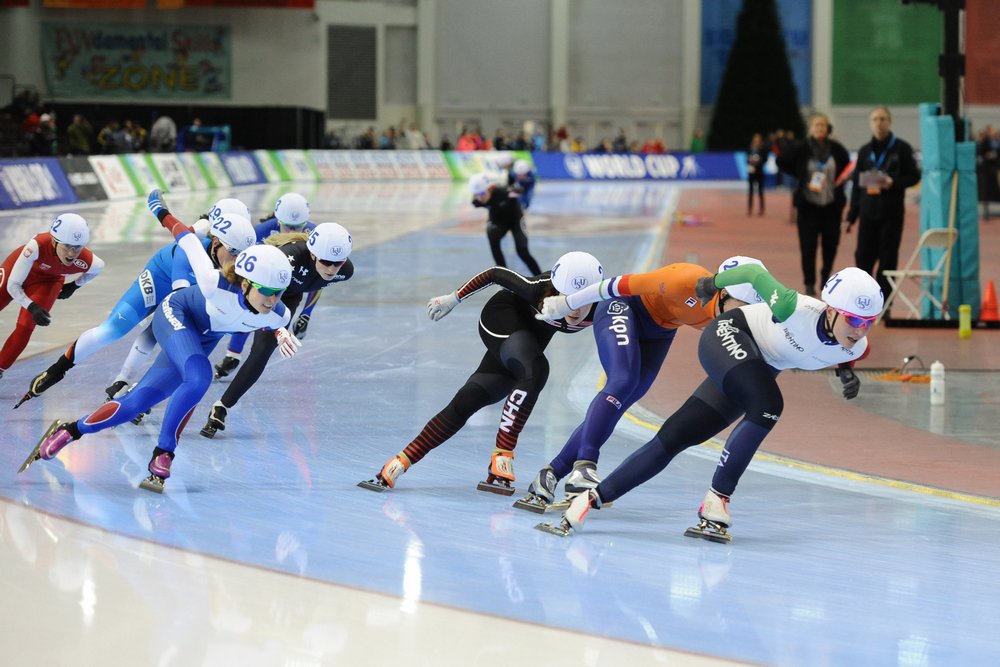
[(366, 141), (106, 138), (136, 136), (80, 134), (884, 170), (538, 141), (819, 199), (44, 141), (698, 141), (500, 140), (446, 144), (415, 139), (653, 146), (756, 159), (197, 138), (988, 161), (163, 135), (388, 139), (578, 145), (620, 144)]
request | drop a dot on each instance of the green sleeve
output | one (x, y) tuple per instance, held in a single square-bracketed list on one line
[(778, 298)]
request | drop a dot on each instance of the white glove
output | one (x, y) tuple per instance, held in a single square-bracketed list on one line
[(440, 306), (554, 308), (288, 344)]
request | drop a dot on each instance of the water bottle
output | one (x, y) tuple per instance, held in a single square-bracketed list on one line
[(937, 383), (965, 321)]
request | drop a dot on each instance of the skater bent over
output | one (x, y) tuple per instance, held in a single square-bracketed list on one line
[(187, 325), (505, 216), (34, 276), (514, 365), (743, 351), (634, 326)]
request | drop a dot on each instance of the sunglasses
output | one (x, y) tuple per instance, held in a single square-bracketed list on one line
[(71, 248), (857, 321), (332, 262), (266, 291), (232, 251)]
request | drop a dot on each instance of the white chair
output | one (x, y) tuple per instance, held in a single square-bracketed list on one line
[(941, 238)]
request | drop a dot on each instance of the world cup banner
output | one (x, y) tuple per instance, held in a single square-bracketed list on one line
[(136, 61)]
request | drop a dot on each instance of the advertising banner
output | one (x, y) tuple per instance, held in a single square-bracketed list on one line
[(197, 175), (137, 61), (144, 175), (435, 166), (171, 172), (33, 182), (333, 166), (82, 178), (464, 164), (269, 165), (114, 177), (216, 171), (242, 168), (631, 166), (297, 165)]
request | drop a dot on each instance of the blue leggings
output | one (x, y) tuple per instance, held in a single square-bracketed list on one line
[(632, 348), (182, 372), (131, 309)]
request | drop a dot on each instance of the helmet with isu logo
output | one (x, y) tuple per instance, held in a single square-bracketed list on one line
[(265, 265), (574, 271), (853, 291), (71, 229), (743, 291)]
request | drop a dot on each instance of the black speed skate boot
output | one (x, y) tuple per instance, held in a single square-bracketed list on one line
[(225, 367), (159, 471), (47, 378), (541, 492), (500, 474), (216, 421), (715, 519), (115, 389)]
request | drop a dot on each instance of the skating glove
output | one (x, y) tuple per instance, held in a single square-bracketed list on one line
[(705, 289), (39, 314), (554, 308), (851, 382), (67, 290), (158, 207), (440, 306), (301, 324), (288, 344)]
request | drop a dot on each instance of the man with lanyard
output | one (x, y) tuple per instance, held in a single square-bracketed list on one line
[(884, 171)]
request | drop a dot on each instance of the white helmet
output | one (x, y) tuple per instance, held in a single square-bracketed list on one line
[(522, 168), (292, 210), (228, 205), (479, 184), (265, 265), (743, 291), (574, 271), (233, 230), (330, 242), (853, 291), (71, 229)]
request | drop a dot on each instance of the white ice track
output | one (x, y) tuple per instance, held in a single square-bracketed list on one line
[(263, 551)]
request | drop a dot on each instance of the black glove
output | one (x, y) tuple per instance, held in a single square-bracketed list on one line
[(851, 382), (301, 324), (39, 314), (705, 289), (67, 290)]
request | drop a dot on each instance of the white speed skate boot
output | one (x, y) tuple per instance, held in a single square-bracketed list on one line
[(583, 478), (541, 492), (500, 474), (715, 519), (386, 479), (575, 514)]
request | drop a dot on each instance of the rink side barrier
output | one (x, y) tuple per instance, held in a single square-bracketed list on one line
[(28, 182)]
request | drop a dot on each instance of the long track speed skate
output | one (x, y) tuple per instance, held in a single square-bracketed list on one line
[(710, 530), (153, 483), (375, 484), (500, 474), (533, 503), (561, 529), (159, 471), (34, 455)]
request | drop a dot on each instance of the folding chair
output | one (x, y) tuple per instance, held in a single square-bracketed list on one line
[(941, 238)]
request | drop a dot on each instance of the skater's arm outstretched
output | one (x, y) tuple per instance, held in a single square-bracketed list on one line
[(530, 290)]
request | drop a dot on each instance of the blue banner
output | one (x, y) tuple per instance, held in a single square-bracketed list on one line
[(242, 167), (718, 31), (631, 166), (33, 182)]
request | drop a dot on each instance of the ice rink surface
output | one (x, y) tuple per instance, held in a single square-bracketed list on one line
[(263, 551)]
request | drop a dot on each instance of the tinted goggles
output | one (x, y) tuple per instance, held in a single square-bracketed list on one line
[(266, 291), (331, 262), (857, 321)]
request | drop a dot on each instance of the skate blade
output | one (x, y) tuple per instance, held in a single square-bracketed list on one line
[(560, 530), (373, 485), (151, 483), (709, 534), (24, 399), (208, 432), (34, 455), (531, 504), (503, 490)]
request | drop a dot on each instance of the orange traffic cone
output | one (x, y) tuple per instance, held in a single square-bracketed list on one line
[(988, 313)]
